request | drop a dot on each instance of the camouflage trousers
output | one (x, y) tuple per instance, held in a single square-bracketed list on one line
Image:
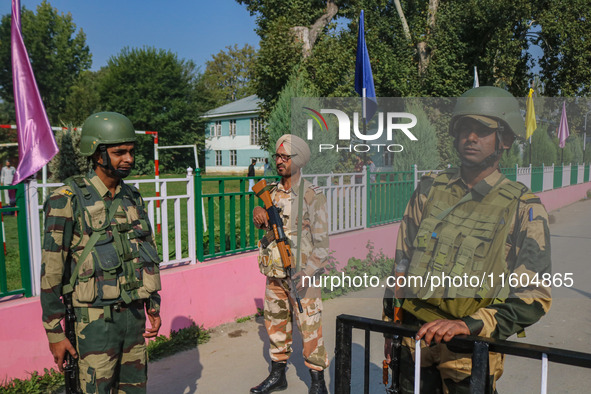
[(280, 308), (112, 354), (443, 371)]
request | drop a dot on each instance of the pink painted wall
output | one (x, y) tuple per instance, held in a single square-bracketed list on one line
[(209, 293), (556, 198)]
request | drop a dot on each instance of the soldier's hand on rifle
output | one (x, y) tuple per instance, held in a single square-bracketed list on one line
[(155, 323), (388, 349), (260, 217), (442, 329), (59, 350)]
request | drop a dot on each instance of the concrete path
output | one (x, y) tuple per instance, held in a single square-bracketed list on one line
[(236, 358)]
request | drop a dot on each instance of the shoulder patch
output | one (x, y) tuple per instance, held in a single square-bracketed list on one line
[(64, 190), (316, 189)]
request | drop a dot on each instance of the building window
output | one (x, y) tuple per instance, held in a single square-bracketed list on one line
[(218, 157), (256, 130), (232, 157), (233, 128), (215, 129), (388, 159)]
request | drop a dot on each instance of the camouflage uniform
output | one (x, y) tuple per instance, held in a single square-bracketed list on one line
[(109, 303), (527, 250), (279, 301)]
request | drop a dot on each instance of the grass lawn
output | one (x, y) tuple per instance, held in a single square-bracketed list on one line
[(10, 262)]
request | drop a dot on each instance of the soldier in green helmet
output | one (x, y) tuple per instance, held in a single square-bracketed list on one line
[(469, 222), (99, 250)]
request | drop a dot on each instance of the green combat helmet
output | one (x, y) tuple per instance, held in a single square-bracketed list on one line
[(105, 128), (491, 102)]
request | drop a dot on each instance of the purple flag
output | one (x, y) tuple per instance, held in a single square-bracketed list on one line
[(563, 128), (36, 143)]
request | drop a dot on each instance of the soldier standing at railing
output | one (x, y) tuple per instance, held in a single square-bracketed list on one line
[(291, 193), (470, 221), (97, 229)]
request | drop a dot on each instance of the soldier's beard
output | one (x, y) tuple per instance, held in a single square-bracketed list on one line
[(117, 173), (122, 173)]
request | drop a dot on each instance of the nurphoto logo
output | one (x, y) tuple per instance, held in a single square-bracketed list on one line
[(394, 121)]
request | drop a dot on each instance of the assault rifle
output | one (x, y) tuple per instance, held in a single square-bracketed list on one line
[(71, 368), (276, 224)]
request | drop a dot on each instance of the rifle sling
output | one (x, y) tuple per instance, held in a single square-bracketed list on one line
[(300, 216)]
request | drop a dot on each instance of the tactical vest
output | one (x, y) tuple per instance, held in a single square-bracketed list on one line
[(458, 238), (119, 261)]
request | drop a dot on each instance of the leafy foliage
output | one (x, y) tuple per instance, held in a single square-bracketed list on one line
[(573, 150), (156, 91), (58, 55), (374, 264), (68, 161), (511, 157), (50, 382), (228, 75), (543, 149), (288, 117), (183, 339), (83, 99), (422, 152)]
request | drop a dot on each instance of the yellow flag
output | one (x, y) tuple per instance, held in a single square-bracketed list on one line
[(530, 115)]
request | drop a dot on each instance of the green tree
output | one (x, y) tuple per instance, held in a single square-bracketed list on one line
[(68, 161), (565, 39), (511, 157), (58, 54), (228, 75), (423, 152), (289, 31), (288, 117), (158, 92), (83, 99), (573, 150), (543, 149)]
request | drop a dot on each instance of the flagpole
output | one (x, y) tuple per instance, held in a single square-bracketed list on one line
[(530, 149), (364, 109)]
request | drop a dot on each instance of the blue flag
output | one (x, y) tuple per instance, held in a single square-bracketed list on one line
[(363, 76)]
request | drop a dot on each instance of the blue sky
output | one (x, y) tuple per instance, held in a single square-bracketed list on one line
[(193, 29)]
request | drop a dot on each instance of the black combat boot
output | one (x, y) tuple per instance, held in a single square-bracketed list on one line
[(276, 380), (318, 385)]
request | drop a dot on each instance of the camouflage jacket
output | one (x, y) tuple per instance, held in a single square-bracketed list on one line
[(64, 240), (314, 237), (527, 250)]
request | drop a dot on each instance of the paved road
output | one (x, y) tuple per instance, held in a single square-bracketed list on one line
[(236, 358)]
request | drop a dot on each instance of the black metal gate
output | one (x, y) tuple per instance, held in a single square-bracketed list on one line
[(478, 346)]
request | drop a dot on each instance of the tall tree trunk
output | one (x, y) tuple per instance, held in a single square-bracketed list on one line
[(307, 36), (405, 28), (424, 51)]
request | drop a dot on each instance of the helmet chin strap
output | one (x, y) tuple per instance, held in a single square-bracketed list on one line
[(109, 166)]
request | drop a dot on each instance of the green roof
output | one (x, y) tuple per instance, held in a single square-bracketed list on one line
[(247, 105)]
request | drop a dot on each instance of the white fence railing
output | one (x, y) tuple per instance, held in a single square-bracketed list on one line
[(177, 237), (524, 175), (345, 198), (548, 179)]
